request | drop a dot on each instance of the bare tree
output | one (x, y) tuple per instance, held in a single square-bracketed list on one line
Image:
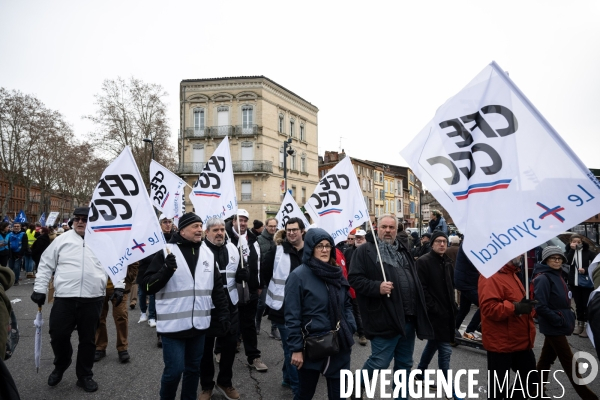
[(127, 113)]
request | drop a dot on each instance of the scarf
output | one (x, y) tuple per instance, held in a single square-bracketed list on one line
[(335, 281), (390, 254), (578, 264)]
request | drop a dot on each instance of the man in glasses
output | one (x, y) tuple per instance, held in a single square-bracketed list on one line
[(80, 286), (277, 265)]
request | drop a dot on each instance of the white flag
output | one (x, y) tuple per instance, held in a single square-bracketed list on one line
[(166, 190), (52, 218), (122, 226), (501, 171), (213, 194), (338, 205), (289, 209)]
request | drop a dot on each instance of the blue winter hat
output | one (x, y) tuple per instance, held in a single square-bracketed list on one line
[(313, 237)]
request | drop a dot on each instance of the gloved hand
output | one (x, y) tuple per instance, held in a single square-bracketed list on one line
[(117, 294), (242, 274), (38, 298), (171, 262), (525, 306), (226, 325)]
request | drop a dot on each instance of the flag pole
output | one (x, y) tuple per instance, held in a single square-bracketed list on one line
[(526, 277), (378, 254)]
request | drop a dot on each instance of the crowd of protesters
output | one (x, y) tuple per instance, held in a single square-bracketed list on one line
[(209, 294)]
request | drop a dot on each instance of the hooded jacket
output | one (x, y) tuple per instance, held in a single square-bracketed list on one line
[(503, 330), (267, 266), (554, 312), (382, 315), (77, 271), (307, 302), (587, 256)]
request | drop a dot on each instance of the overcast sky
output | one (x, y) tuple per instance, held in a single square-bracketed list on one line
[(377, 71)]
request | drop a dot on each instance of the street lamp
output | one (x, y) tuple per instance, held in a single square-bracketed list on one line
[(286, 151), (152, 143)]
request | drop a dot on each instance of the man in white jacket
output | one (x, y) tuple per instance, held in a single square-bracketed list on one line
[(80, 284)]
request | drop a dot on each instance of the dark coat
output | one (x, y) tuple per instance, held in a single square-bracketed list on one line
[(466, 276), (587, 256), (421, 249), (145, 262), (157, 275), (437, 277), (266, 270), (253, 259), (382, 315), (38, 247), (554, 312)]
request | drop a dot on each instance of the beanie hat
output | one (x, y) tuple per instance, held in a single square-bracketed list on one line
[(550, 251), (257, 224), (188, 219), (428, 235), (437, 234)]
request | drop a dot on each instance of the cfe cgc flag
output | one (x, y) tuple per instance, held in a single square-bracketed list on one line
[(122, 227), (213, 194), (289, 209), (505, 176), (338, 205), (166, 190)]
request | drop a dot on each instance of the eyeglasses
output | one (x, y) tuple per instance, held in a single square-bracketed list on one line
[(322, 247), (82, 219), (440, 241), (555, 258), (350, 238), (292, 230)]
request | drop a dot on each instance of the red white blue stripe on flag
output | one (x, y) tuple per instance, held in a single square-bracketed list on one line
[(207, 194), (111, 228), (330, 211), (166, 198), (481, 188)]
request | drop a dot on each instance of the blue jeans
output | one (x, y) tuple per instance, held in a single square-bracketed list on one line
[(142, 301), (444, 350), (28, 264), (15, 265), (181, 356), (400, 348), (290, 372)]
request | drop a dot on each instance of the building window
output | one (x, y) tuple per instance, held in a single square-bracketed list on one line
[(281, 125), (399, 207), (246, 190), (294, 192), (303, 195), (223, 120), (292, 132), (199, 121), (247, 120), (293, 163), (302, 133), (303, 163), (281, 157)]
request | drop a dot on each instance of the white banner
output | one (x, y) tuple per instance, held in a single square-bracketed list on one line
[(338, 205), (122, 226), (289, 209), (504, 175), (166, 190), (213, 194), (52, 218)]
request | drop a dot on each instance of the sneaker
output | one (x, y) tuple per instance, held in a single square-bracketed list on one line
[(143, 318), (477, 336), (159, 342), (218, 357), (274, 334), (88, 384), (205, 395), (55, 377), (229, 392), (259, 365), (124, 357), (99, 355), (152, 323), (362, 341)]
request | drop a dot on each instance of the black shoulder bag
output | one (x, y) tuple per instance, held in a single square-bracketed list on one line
[(321, 345)]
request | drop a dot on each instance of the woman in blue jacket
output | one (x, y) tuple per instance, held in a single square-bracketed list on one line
[(555, 316), (316, 298)]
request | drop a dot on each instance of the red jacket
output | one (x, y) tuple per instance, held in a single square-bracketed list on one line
[(502, 330), (341, 261)]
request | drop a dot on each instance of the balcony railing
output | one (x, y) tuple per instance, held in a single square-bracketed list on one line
[(252, 166), (224, 130), (239, 167)]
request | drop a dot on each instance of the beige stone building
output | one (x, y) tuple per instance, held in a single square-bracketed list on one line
[(257, 115)]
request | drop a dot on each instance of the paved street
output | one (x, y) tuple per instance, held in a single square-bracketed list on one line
[(140, 378)]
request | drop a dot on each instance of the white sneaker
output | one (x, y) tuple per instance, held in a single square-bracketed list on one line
[(152, 323), (143, 318)]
